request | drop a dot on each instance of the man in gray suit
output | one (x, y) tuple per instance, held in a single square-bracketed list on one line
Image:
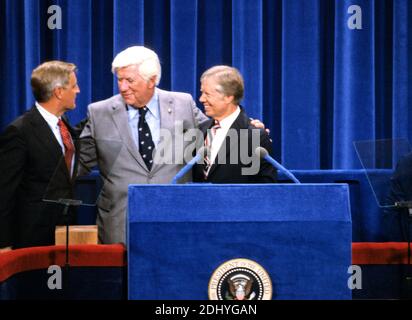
[(136, 137), (123, 132)]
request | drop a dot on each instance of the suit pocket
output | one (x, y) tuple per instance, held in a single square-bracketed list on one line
[(104, 203)]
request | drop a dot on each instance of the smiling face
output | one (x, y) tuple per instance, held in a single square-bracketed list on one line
[(135, 91), (217, 105)]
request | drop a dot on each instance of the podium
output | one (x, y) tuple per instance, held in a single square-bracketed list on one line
[(178, 235)]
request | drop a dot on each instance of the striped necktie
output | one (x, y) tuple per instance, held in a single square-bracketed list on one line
[(211, 133), (68, 144)]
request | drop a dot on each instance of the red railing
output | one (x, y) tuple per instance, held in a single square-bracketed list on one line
[(27, 259)]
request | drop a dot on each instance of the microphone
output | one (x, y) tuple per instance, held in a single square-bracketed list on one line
[(201, 154), (263, 154), (66, 202)]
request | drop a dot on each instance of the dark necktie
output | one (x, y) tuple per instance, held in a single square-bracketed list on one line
[(68, 144), (146, 145), (208, 143)]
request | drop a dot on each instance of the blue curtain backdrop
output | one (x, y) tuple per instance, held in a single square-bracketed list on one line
[(315, 82)]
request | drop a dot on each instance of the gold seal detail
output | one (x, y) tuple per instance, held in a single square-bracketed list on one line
[(240, 279)]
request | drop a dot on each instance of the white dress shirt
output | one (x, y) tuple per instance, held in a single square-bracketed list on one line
[(221, 133), (152, 119), (52, 121)]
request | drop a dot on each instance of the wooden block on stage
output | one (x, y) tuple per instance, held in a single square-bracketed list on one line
[(77, 235)]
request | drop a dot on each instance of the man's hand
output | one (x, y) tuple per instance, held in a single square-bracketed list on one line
[(5, 249), (258, 124)]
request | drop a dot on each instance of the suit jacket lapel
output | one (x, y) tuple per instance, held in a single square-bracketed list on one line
[(204, 126), (167, 111), (230, 143), (119, 116), (167, 122), (48, 139), (44, 134)]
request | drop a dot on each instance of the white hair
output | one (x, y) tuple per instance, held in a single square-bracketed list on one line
[(146, 60)]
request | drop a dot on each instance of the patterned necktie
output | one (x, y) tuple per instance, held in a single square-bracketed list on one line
[(68, 144), (146, 145), (208, 143)]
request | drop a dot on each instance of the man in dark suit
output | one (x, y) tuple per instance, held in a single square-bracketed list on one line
[(229, 135), (37, 158)]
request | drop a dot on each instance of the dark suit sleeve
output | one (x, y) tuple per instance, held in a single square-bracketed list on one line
[(12, 163), (78, 128), (88, 153), (267, 174)]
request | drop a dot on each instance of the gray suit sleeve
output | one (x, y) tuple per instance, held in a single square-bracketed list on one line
[(198, 115)]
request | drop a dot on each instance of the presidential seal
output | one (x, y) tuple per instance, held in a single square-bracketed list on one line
[(240, 279)]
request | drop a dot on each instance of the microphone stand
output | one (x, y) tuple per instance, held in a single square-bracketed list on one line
[(67, 203), (201, 154)]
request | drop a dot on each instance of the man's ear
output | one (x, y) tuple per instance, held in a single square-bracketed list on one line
[(152, 82), (57, 92), (229, 99)]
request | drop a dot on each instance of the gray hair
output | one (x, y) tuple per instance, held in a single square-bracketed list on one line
[(146, 60), (48, 76), (229, 79)]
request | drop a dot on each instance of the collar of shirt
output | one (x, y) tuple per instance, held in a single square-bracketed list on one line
[(52, 121), (152, 105), (50, 118), (227, 122)]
